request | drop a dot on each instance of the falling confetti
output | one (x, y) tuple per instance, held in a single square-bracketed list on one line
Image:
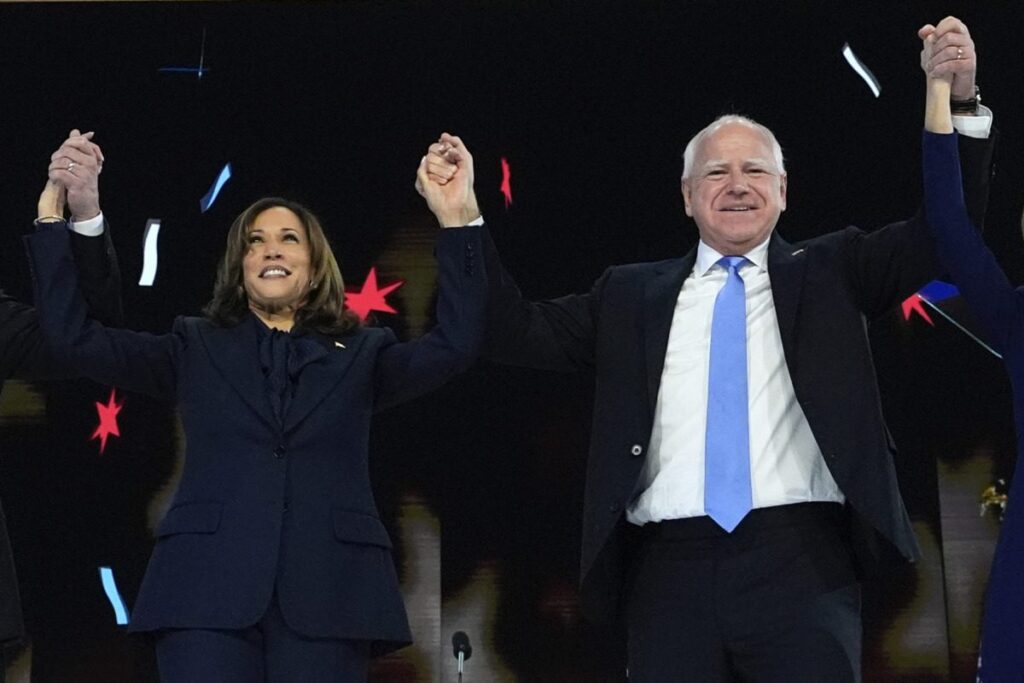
[(862, 70), (370, 297), (149, 252), (108, 420), (210, 197), (506, 181), (113, 595)]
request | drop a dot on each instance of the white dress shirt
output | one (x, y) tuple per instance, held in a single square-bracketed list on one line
[(786, 465)]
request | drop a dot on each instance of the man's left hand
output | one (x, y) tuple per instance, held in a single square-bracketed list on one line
[(949, 51), (76, 165)]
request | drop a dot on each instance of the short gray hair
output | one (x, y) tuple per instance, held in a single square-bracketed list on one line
[(690, 154)]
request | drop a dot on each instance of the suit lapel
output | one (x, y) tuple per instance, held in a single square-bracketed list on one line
[(234, 352), (786, 268), (319, 377), (660, 294)]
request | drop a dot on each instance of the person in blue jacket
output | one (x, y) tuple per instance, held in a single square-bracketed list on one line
[(271, 563), (999, 309)]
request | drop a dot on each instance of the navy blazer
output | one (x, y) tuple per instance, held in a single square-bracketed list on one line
[(24, 355), (825, 290), (266, 504)]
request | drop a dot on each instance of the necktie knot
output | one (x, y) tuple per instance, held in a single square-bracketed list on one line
[(732, 263)]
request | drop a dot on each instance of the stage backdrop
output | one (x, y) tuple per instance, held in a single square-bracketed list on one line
[(576, 114)]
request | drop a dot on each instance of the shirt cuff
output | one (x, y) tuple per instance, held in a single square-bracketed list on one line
[(977, 126), (90, 228), (478, 221)]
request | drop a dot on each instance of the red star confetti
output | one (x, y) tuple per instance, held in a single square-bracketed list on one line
[(915, 304), (108, 420), (371, 297), (506, 182)]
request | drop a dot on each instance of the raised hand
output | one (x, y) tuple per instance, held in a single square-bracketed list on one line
[(445, 179), (948, 54), (76, 166)]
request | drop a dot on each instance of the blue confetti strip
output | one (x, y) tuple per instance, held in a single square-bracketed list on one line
[(110, 587), (210, 197), (197, 70)]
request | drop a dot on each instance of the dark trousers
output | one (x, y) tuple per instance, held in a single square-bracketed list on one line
[(776, 601), (269, 651)]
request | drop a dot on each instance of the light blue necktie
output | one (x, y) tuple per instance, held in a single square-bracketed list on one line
[(727, 496)]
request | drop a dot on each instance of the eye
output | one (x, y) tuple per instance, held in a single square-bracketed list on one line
[(255, 239), (715, 173), (290, 237), (756, 172)]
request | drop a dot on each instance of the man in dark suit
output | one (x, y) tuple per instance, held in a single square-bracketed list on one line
[(740, 476), (73, 179)]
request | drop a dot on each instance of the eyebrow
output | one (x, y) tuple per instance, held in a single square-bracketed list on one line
[(759, 161)]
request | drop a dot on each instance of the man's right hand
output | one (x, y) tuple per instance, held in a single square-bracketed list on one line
[(76, 165), (445, 179)]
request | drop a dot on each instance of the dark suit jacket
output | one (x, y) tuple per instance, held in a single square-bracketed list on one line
[(266, 504), (23, 355), (825, 291)]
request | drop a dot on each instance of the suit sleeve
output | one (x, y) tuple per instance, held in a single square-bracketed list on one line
[(556, 334), (888, 265), (22, 352), (962, 251), (135, 361), (99, 276), (406, 370)]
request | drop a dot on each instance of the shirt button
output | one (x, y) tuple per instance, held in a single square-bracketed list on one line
[(636, 450), (279, 452)]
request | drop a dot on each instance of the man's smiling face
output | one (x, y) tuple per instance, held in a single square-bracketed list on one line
[(735, 192)]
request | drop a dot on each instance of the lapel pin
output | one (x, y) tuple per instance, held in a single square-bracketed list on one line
[(339, 345)]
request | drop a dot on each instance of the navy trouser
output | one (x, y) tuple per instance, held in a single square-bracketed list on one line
[(269, 651)]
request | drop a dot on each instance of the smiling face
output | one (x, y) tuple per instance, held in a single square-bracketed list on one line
[(276, 267), (735, 191)]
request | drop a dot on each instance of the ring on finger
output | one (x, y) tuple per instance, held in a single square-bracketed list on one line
[(71, 166), (959, 53)]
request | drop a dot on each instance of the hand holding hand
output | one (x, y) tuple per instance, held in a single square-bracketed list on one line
[(76, 166), (445, 179), (948, 54)]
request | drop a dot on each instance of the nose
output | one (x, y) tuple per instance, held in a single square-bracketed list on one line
[(738, 183), (271, 252)]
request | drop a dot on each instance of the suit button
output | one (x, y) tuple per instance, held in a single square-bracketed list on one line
[(636, 451), (614, 507), (285, 508), (279, 452)]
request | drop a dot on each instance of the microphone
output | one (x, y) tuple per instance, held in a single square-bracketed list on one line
[(461, 649)]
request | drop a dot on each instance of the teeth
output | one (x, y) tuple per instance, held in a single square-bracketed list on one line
[(274, 272)]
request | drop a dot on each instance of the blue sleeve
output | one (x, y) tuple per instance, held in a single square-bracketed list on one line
[(960, 248), (135, 361)]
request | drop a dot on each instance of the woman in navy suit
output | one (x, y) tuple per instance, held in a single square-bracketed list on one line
[(272, 563), (999, 309)]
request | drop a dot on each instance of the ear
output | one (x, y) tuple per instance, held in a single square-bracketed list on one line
[(687, 192), (782, 190)]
